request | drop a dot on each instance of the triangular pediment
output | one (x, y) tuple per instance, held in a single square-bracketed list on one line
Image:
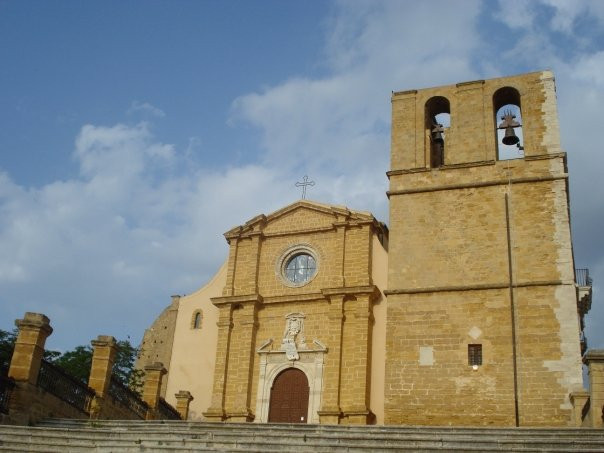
[(299, 216)]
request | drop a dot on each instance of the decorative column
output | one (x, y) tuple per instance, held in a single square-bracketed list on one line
[(103, 357), (152, 387), (34, 328), (594, 359), (183, 399), (330, 407)]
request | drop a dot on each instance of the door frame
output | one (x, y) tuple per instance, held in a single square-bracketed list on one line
[(274, 362)]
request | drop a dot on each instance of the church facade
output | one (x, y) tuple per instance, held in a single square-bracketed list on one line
[(464, 311)]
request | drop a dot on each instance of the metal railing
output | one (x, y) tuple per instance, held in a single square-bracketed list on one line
[(166, 411), (64, 386), (128, 398), (583, 278), (6, 389)]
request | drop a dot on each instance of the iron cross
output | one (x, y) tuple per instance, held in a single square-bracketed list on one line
[(305, 182)]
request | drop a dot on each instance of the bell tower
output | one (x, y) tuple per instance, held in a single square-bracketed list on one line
[(482, 322)]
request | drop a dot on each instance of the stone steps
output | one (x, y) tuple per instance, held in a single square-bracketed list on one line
[(135, 436)]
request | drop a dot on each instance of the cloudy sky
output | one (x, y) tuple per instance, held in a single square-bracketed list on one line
[(133, 134)]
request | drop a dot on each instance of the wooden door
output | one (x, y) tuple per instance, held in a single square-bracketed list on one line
[(289, 398)]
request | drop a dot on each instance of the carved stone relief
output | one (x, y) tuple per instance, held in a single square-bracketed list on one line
[(294, 331)]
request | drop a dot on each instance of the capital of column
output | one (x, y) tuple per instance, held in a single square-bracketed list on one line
[(34, 321), (155, 367), (104, 341)]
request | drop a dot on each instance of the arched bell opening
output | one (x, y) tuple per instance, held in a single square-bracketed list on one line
[(437, 121), (508, 124)]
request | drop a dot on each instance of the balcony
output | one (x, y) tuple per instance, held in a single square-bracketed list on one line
[(582, 277), (583, 283)]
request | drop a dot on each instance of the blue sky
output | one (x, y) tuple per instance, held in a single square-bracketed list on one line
[(133, 134)]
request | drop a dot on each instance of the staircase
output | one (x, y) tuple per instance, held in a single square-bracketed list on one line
[(63, 435)]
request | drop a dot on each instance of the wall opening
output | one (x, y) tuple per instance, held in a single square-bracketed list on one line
[(506, 105), (196, 320), (475, 355), (437, 122)]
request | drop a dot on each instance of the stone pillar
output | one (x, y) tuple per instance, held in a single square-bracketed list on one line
[(578, 400), (594, 359), (183, 399), (151, 390), (34, 328), (103, 357), (225, 324), (330, 406)]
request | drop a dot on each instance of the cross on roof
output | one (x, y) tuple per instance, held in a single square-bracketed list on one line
[(305, 182)]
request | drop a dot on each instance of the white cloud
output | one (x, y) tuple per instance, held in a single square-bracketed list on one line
[(336, 128), (145, 108), (567, 12), (516, 13), (118, 238)]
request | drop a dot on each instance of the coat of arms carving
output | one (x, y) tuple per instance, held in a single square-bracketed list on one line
[(293, 336)]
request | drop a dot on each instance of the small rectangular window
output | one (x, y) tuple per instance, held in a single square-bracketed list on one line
[(474, 354)]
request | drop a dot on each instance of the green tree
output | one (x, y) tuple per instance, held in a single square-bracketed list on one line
[(76, 362), (7, 344), (124, 369)]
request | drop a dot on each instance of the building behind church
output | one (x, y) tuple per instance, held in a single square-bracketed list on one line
[(465, 311)]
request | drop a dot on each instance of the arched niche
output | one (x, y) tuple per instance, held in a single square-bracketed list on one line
[(507, 100), (437, 120)]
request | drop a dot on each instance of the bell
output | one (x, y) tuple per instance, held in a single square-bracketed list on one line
[(437, 137), (510, 137)]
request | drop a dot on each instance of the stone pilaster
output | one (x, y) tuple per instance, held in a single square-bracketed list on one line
[(183, 399), (594, 359), (356, 359), (225, 325), (151, 390), (330, 405), (34, 328), (241, 360)]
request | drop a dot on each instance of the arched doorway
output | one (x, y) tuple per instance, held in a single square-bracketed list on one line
[(289, 397)]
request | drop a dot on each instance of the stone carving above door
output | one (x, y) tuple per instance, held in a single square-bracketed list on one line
[(293, 335)]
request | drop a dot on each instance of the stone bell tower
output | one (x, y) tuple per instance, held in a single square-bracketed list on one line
[(482, 322)]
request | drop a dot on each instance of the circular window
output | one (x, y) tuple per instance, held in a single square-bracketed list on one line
[(297, 265), (300, 268)]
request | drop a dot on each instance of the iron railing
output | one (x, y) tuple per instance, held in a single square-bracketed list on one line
[(167, 411), (583, 278), (6, 389), (128, 398), (64, 386)]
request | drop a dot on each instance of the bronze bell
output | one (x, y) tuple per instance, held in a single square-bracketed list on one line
[(437, 133), (510, 137), (437, 137), (509, 123)]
